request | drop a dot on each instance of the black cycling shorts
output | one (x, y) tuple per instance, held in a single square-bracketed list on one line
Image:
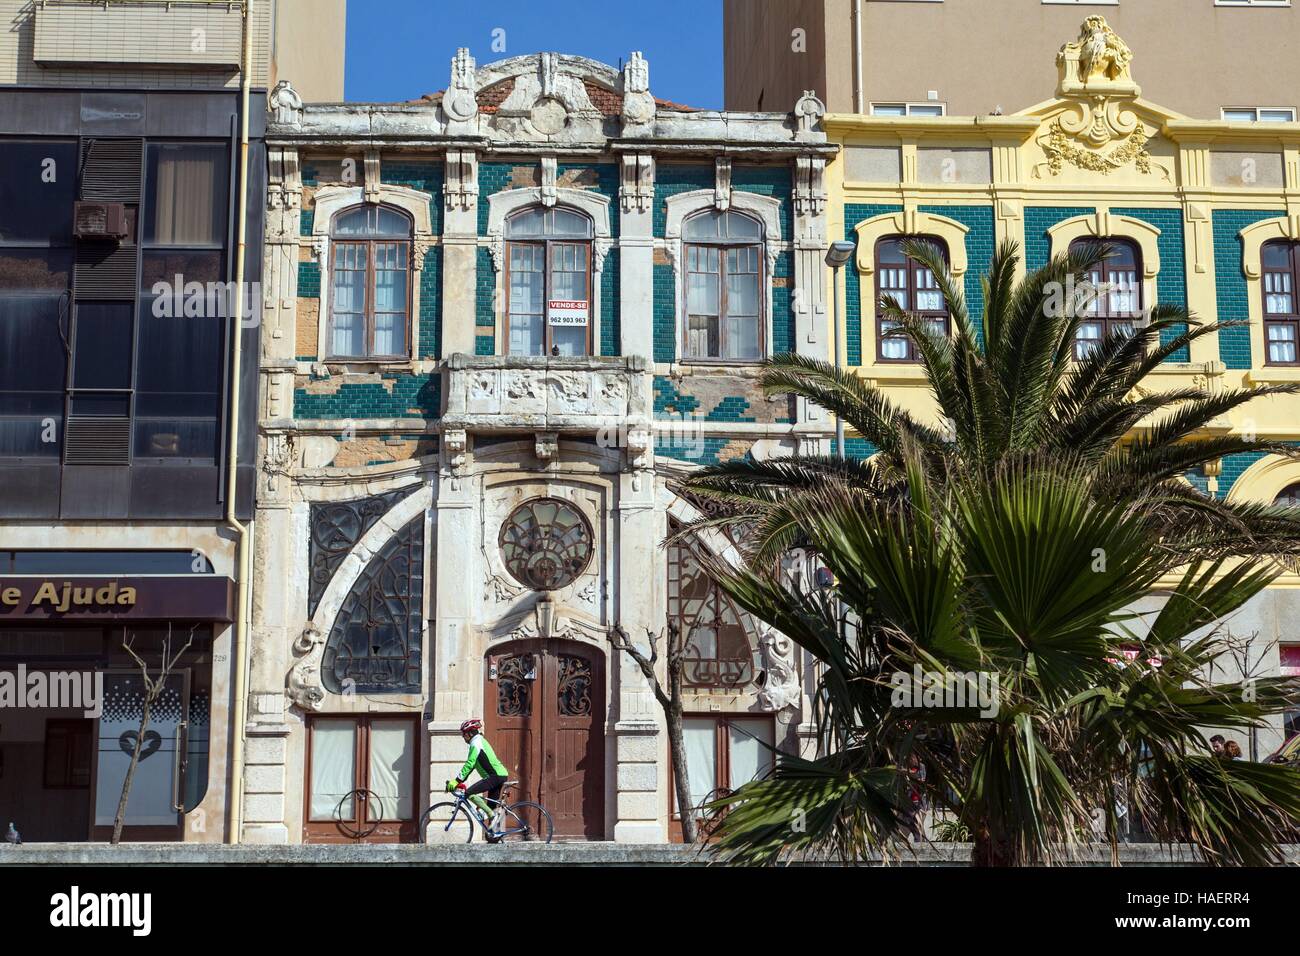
[(489, 785)]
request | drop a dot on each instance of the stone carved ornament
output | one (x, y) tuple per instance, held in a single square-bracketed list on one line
[(638, 104), (305, 688), (1100, 133), (286, 104), (780, 681), (459, 102), (1099, 52)]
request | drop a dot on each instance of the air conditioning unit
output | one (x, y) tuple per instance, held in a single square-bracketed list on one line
[(99, 220)]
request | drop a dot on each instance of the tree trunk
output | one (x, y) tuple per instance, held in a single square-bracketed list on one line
[(989, 851), (120, 819), (677, 743)]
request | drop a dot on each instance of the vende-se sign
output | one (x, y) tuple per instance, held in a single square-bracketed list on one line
[(197, 598), (567, 312)]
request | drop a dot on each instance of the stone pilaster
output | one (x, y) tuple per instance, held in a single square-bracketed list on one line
[(459, 251), (639, 743)]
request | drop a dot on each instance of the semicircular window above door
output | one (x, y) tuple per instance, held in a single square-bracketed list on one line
[(546, 544)]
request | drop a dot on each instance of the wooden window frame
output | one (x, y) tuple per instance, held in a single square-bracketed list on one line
[(548, 255), (723, 245), (721, 758), (912, 357), (370, 243), (1111, 321), (1292, 319), (388, 830)]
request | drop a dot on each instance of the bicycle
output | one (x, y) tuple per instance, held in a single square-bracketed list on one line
[(524, 821)]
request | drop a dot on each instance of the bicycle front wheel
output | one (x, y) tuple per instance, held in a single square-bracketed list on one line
[(526, 822), (446, 823)]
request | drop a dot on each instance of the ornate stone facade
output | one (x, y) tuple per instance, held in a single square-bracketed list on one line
[(477, 458)]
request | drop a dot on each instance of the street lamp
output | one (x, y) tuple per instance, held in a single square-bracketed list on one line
[(836, 257)]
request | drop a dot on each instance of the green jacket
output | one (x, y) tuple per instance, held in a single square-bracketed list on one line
[(483, 759)]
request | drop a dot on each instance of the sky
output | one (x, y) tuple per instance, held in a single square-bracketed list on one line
[(402, 49)]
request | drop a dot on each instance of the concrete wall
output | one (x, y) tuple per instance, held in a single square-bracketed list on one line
[(307, 47), (969, 51)]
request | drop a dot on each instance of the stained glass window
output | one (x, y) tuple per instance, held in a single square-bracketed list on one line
[(546, 544)]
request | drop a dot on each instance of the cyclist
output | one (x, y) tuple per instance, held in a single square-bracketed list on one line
[(492, 772)]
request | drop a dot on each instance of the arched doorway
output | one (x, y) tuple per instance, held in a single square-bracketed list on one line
[(544, 702)]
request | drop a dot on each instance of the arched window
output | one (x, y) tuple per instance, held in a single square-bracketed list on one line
[(916, 290), (1121, 304), (724, 301), (548, 275), (1281, 266), (371, 291), (1288, 497), (719, 637)]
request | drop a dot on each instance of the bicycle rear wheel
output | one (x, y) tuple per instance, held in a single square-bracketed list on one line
[(446, 823), (526, 823)]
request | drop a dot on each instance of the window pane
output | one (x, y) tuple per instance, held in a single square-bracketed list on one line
[(928, 296), (703, 227), (372, 221), (104, 338), (1277, 293), (548, 223), (918, 110), (1281, 342), (569, 340), (526, 281), (893, 282), (1277, 116), (187, 188), (527, 224), (526, 335), (392, 769), (1123, 293), (742, 338), (748, 757), (743, 228), (702, 337), (1277, 255), (390, 333), (349, 334), (568, 272), (1239, 115), (894, 347), (185, 269), (888, 109), (699, 735), (38, 186), (32, 369), (742, 295), (567, 224), (178, 385), (390, 288), (333, 768)]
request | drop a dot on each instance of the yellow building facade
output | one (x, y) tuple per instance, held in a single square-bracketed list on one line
[(1205, 214)]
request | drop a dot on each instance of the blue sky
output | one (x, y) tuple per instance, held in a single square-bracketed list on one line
[(401, 49)]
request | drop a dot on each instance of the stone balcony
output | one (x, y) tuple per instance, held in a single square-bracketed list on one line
[(567, 396)]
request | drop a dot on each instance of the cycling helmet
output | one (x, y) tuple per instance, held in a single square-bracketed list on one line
[(471, 726)]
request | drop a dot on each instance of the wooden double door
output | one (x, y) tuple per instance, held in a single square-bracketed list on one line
[(545, 704)]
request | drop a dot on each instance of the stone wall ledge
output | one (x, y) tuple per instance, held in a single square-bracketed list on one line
[(574, 854)]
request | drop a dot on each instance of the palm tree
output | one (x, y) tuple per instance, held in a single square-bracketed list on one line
[(971, 548), (1025, 572), (1022, 389)]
